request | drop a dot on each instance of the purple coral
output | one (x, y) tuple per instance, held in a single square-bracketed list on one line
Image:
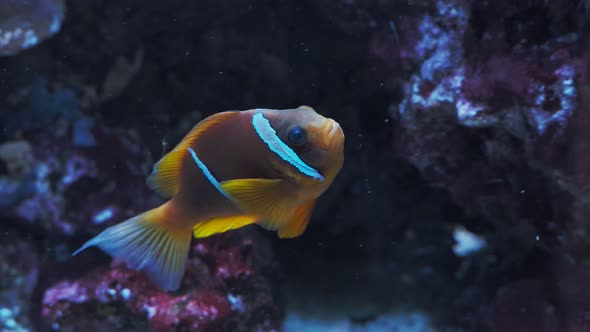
[(476, 105), (495, 111), (24, 24), (76, 190)]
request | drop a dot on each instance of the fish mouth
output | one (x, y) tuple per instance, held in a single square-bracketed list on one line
[(333, 134)]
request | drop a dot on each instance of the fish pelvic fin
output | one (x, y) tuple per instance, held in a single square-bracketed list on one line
[(220, 225), (147, 243), (268, 199), (298, 222), (164, 178)]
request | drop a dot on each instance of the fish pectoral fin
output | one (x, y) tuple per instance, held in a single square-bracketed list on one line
[(220, 225), (298, 222), (265, 198), (164, 178), (146, 243)]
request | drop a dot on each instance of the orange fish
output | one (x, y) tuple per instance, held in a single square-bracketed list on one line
[(233, 169)]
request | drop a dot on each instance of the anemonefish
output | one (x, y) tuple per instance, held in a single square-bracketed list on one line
[(233, 169)]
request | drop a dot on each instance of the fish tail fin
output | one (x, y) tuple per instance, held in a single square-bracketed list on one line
[(148, 243)]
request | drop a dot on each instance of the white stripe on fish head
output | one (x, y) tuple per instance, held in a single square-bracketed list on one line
[(269, 136)]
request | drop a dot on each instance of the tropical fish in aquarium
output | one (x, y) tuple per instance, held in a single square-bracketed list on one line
[(233, 169)]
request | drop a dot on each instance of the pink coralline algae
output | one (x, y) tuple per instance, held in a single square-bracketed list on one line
[(67, 189), (224, 289)]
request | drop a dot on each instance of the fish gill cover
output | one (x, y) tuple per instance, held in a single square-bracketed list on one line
[(462, 204)]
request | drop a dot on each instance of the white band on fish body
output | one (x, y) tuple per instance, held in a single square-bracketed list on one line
[(206, 172)]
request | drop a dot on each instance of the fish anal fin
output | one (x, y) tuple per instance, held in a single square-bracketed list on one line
[(298, 222), (147, 243), (164, 178), (266, 198), (222, 224)]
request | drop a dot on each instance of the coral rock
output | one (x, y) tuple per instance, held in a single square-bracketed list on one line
[(19, 270), (69, 189), (24, 24), (491, 111), (225, 288)]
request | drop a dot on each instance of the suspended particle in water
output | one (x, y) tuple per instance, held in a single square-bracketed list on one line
[(26, 23), (164, 146)]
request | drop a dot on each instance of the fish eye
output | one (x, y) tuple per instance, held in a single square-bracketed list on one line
[(297, 136)]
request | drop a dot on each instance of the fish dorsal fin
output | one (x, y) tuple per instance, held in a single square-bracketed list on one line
[(265, 198), (220, 225), (296, 226), (164, 178)]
